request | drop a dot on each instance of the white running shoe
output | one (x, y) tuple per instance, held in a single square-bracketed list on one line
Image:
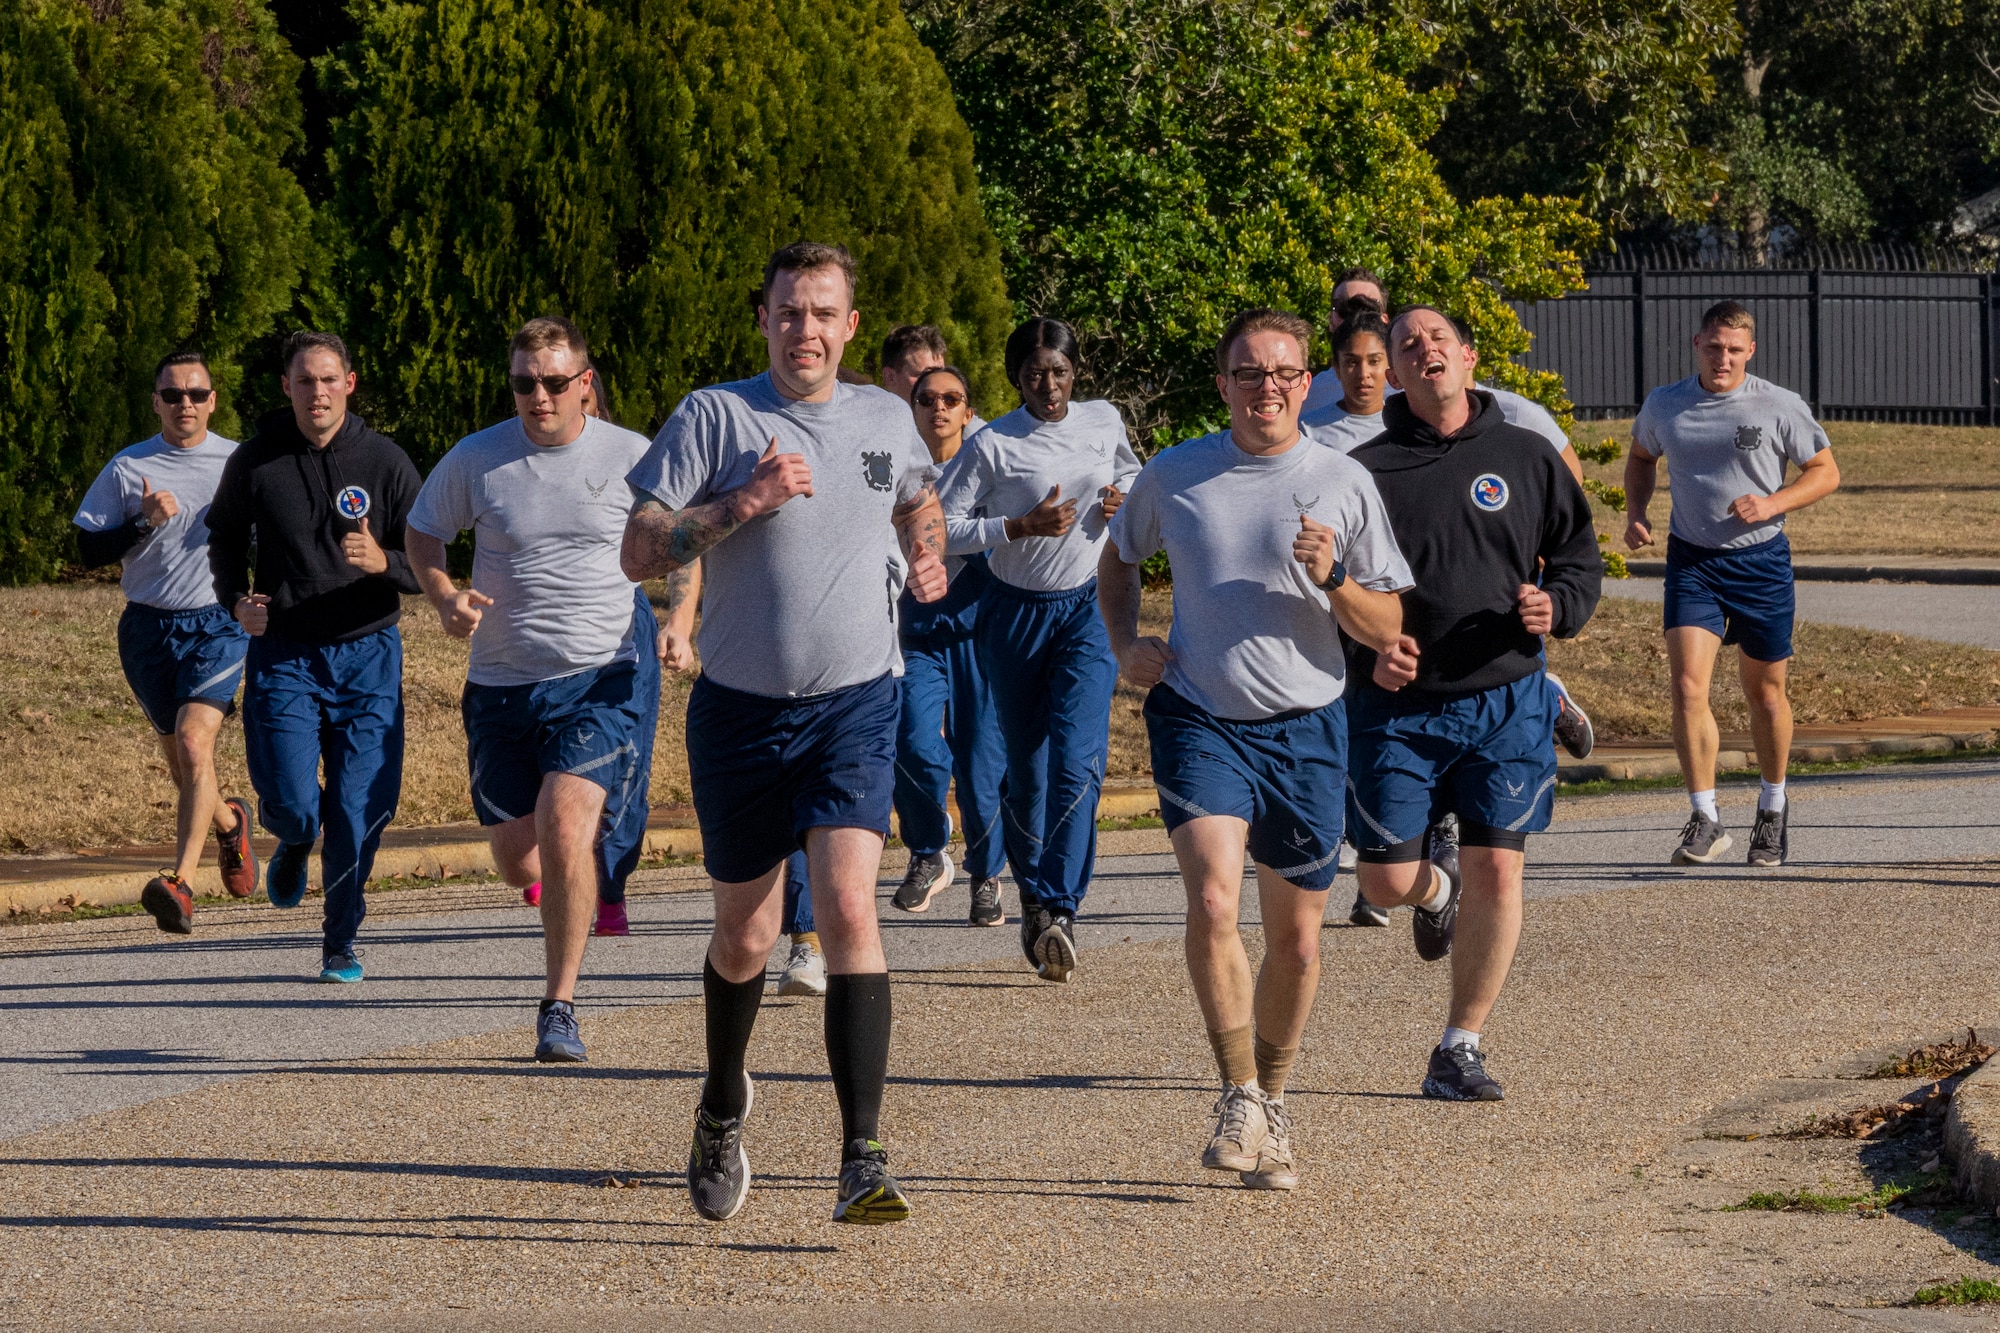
[(805, 971)]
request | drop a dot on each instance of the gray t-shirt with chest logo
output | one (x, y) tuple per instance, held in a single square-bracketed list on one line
[(802, 600), (1721, 446)]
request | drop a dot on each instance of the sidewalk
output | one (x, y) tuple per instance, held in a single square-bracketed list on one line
[(1941, 732), (1865, 569)]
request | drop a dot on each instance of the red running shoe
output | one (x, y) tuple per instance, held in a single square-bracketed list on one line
[(239, 863), (532, 895), (611, 920), (169, 902)]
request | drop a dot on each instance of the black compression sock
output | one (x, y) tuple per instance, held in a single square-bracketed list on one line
[(857, 1049), (731, 1013)]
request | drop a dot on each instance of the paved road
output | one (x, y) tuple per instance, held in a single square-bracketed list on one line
[(1955, 614), (99, 1023)]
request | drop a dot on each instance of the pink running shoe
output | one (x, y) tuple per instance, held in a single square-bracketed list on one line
[(532, 895), (611, 920)]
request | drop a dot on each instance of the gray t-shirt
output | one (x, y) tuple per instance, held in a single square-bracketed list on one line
[(1014, 463), (1326, 393), (1722, 446), (800, 601), (546, 526), (168, 569), (1337, 428), (1252, 637)]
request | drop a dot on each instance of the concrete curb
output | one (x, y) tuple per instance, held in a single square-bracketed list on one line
[(1972, 1136), (1986, 574), (1667, 765)]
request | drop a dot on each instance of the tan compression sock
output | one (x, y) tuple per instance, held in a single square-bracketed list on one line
[(1234, 1055), (1274, 1066), (807, 937)]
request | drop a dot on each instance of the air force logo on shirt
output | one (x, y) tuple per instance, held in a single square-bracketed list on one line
[(1489, 492), (878, 470), (352, 502)]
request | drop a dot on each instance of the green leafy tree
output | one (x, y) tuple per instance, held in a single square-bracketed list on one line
[(632, 164), (1153, 168), (145, 207)]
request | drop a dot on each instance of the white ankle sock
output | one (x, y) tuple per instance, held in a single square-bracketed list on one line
[(1458, 1037), (1771, 796), (1704, 803), (1440, 891)]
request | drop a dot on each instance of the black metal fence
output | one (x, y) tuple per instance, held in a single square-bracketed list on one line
[(1861, 334)]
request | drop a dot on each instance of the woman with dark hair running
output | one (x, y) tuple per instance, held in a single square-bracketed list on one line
[(1037, 488)]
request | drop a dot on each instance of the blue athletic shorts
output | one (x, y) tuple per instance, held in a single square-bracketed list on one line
[(581, 724), (1488, 758), (765, 770), (177, 657), (1743, 596), (1281, 776)]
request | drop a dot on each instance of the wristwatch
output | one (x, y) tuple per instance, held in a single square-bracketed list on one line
[(1336, 578), (141, 522)]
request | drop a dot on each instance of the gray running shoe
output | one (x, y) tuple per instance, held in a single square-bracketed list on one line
[(1573, 729), (1770, 843), (1433, 931), (1275, 1169), (557, 1040), (986, 909), (1241, 1127), (1702, 841), (926, 878), (869, 1195), (805, 971), (1365, 913), (718, 1173), (1055, 951), (1459, 1075), (1443, 846)]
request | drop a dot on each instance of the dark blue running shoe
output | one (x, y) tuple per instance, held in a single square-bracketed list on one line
[(556, 1039), (285, 874)]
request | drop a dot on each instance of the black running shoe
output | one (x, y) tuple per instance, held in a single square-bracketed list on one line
[(1443, 846), (1459, 1075), (1433, 931), (1055, 951), (927, 877), (986, 909), (718, 1173), (1702, 841), (869, 1195), (1573, 729), (1365, 913), (1033, 922), (1770, 843)]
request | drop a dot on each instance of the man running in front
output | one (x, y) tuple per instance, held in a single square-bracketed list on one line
[(550, 726), (1455, 717), (1726, 436), (1277, 545), (811, 504)]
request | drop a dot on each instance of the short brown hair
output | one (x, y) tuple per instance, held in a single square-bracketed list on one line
[(550, 331), (1729, 315), (1360, 274), (1262, 320), (1458, 329), (803, 257), (305, 340), (905, 340)]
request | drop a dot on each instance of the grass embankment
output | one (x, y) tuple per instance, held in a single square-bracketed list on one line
[(79, 768), (1904, 490)]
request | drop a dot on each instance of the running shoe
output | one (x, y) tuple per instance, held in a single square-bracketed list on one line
[(1350, 860), (233, 853), (1275, 1168), (1459, 1075), (805, 971), (285, 874), (1241, 1126), (1033, 922), (1443, 846), (869, 1195), (986, 908), (1055, 951), (718, 1173), (532, 895), (928, 876), (1770, 843), (170, 903), (557, 1041), (1573, 729), (1433, 931), (1365, 913), (1702, 841), (611, 920), (342, 968)]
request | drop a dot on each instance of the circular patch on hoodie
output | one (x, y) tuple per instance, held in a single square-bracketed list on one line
[(352, 502), (1489, 492)]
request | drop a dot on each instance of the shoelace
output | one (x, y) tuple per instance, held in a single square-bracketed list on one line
[(1466, 1059), (1232, 1114), (561, 1020), (1692, 827)]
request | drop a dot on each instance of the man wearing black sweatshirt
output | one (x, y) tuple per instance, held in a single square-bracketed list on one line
[(1456, 717), (324, 499)]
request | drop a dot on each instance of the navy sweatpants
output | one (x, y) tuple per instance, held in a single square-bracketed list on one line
[(948, 730), (623, 835)]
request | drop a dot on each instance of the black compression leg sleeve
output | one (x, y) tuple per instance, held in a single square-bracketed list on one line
[(857, 1049), (1491, 835), (731, 1013)]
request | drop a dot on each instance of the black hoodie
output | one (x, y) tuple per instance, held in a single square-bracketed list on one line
[(1473, 512), (283, 493)]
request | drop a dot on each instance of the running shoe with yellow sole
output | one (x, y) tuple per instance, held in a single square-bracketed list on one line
[(869, 1195)]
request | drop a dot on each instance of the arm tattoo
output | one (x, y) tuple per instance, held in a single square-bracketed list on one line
[(661, 540), (680, 583), (922, 520)]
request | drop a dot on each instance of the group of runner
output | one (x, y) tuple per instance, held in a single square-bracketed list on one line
[(897, 598)]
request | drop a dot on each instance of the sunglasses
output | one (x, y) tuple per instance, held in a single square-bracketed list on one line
[(940, 400), (173, 397), (557, 385)]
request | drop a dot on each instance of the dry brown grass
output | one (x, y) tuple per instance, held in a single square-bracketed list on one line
[(78, 767), (1904, 490)]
